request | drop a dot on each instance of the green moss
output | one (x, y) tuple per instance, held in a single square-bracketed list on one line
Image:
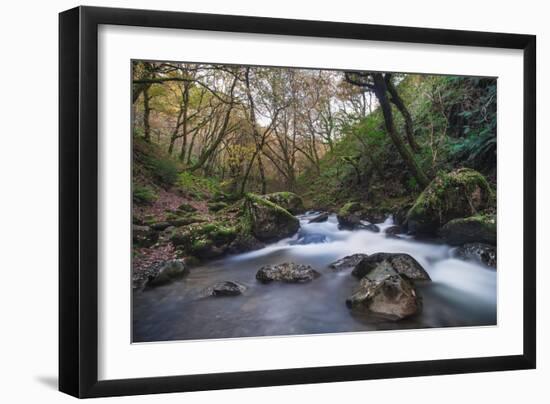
[(197, 237), (178, 214), (152, 164), (266, 220), (479, 228), (287, 200), (257, 199), (216, 206), (457, 194), (198, 187), (186, 207), (143, 195), (200, 244), (349, 208), (486, 220), (284, 195), (227, 231)]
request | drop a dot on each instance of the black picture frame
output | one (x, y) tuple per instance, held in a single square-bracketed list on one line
[(78, 196)]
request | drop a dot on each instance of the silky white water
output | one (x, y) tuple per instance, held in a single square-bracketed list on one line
[(461, 293)]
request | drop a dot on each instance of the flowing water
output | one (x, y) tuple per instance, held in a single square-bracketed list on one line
[(461, 293)]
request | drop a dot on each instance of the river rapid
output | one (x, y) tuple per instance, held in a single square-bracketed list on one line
[(461, 293)]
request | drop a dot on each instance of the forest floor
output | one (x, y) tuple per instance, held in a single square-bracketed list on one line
[(168, 200)]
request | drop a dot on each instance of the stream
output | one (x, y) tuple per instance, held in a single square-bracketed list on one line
[(461, 293)]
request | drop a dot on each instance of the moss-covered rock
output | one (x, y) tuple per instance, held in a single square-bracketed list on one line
[(459, 193), (186, 207), (266, 220), (205, 240), (216, 206), (244, 242), (473, 229), (180, 218), (349, 215), (349, 208), (170, 271), (144, 236), (287, 200)]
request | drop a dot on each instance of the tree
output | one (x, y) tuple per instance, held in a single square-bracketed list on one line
[(259, 134), (378, 83)]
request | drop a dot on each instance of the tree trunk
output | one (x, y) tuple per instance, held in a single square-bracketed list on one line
[(398, 102), (184, 122), (262, 174), (171, 146), (380, 92), (146, 113)]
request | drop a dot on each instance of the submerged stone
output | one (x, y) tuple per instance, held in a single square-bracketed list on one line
[(226, 288), (309, 239)]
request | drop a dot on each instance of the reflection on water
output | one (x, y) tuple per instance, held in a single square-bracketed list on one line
[(460, 294)]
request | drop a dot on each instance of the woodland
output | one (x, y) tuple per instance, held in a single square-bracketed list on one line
[(229, 159)]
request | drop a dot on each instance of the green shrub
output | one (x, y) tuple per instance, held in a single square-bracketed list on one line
[(165, 170), (198, 187), (143, 195)]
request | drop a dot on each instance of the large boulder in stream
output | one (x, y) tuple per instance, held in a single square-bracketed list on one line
[(168, 272), (479, 228), (287, 272), (392, 297), (457, 194), (349, 216), (483, 253), (380, 265), (287, 200), (268, 221), (244, 242)]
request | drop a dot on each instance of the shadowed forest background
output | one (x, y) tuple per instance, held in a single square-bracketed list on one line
[(227, 159)]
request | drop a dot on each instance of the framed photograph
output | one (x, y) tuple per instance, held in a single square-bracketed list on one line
[(251, 201)]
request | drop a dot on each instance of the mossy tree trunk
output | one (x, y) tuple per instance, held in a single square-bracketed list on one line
[(398, 102), (376, 82), (380, 90)]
